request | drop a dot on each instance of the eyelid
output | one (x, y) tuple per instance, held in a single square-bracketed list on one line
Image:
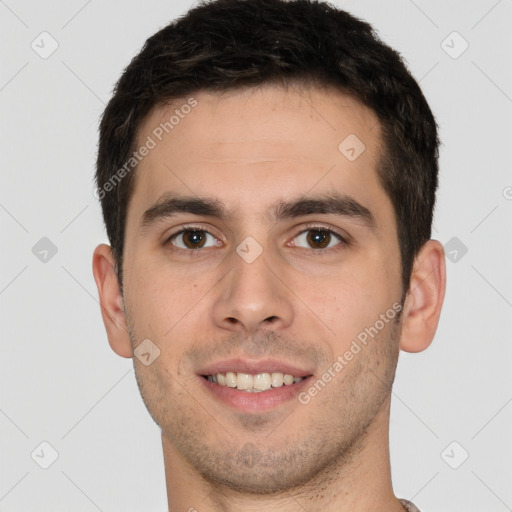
[(344, 237), (185, 228)]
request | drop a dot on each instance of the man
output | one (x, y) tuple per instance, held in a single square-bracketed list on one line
[(267, 172)]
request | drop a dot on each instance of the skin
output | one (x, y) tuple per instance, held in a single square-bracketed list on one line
[(250, 149)]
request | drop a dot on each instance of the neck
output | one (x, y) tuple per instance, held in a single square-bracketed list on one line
[(360, 481)]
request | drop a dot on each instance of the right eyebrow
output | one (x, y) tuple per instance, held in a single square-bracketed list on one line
[(167, 206)]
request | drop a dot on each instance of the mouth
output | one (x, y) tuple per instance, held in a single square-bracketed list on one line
[(253, 383), (254, 386)]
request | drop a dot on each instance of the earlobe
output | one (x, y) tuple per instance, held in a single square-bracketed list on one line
[(424, 299), (111, 301)]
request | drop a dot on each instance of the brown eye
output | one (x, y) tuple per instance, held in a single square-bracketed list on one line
[(193, 239), (317, 238)]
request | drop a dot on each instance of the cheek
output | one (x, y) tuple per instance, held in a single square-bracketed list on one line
[(154, 286), (153, 308), (167, 307), (350, 300)]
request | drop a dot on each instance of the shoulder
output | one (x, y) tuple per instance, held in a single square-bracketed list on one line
[(410, 507)]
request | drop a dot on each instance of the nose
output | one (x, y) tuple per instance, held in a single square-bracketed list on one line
[(253, 296)]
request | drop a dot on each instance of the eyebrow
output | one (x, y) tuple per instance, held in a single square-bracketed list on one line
[(169, 206), (333, 203)]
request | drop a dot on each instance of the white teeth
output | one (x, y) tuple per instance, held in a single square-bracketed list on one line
[(277, 380), (288, 380), (230, 379), (254, 383), (262, 381), (244, 381)]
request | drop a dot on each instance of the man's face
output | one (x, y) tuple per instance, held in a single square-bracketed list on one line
[(282, 283)]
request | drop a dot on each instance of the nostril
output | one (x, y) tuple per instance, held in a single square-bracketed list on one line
[(234, 321)]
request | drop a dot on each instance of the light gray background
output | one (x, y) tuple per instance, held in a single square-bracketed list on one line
[(59, 380)]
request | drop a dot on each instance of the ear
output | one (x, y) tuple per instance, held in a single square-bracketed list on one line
[(111, 301), (424, 299)]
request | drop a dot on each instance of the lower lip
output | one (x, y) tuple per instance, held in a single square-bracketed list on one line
[(255, 402)]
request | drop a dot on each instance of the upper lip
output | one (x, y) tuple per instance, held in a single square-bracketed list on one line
[(254, 367)]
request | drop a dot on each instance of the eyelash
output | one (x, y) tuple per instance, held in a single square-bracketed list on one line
[(185, 229), (343, 241)]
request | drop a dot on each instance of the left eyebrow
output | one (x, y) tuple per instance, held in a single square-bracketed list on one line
[(334, 203)]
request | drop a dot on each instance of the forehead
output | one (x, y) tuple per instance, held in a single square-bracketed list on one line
[(253, 145)]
